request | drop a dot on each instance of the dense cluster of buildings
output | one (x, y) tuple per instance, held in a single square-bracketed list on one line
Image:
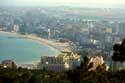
[(64, 62), (60, 63), (96, 34)]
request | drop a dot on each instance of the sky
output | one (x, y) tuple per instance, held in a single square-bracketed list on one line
[(86, 3)]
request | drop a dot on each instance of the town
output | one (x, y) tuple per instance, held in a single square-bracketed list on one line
[(87, 43)]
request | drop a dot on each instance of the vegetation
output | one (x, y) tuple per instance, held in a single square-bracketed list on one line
[(80, 74), (119, 52), (31, 76)]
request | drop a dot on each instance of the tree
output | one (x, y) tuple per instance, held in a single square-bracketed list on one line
[(119, 52), (25, 77)]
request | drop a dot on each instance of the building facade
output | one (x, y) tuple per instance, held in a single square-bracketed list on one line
[(60, 63)]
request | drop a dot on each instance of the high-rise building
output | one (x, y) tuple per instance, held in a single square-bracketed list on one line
[(16, 28), (122, 29), (49, 34)]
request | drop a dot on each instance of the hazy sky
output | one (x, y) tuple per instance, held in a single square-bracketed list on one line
[(88, 3)]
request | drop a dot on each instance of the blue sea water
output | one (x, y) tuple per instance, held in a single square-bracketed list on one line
[(22, 50)]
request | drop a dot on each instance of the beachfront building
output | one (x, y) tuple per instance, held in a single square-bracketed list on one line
[(16, 28), (49, 34), (60, 63)]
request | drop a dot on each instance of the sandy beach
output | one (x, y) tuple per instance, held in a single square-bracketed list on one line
[(62, 47)]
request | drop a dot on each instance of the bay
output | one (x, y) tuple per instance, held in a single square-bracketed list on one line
[(23, 50)]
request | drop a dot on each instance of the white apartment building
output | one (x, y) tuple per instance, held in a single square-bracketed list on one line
[(60, 63)]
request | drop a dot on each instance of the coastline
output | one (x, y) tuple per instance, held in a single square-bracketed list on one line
[(61, 47)]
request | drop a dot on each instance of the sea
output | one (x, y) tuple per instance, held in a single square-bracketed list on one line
[(23, 50)]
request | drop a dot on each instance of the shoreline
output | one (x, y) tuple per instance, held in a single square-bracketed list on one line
[(61, 47)]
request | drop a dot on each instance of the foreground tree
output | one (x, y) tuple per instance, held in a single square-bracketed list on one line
[(119, 52)]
